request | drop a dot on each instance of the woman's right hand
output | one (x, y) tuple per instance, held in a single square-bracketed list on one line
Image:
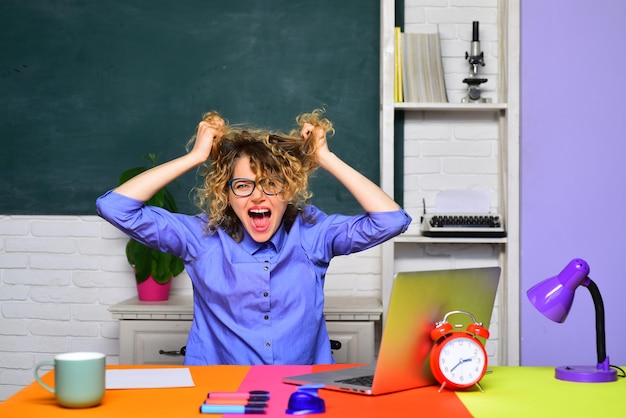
[(209, 132)]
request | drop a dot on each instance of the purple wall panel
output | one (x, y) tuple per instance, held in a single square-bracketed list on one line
[(573, 170)]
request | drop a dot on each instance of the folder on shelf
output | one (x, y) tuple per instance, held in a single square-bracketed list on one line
[(422, 67), (398, 95)]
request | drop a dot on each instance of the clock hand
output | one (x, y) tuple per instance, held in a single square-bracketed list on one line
[(461, 361)]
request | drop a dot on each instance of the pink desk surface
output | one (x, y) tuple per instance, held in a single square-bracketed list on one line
[(509, 392)]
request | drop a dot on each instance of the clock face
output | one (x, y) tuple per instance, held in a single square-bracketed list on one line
[(462, 360)]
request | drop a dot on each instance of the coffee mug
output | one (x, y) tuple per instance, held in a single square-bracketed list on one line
[(78, 379)]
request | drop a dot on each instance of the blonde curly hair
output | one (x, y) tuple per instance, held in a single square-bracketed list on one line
[(289, 157)]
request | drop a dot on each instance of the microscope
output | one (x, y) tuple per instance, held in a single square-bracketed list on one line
[(475, 58)]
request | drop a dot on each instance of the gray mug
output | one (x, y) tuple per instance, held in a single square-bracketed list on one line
[(78, 379)]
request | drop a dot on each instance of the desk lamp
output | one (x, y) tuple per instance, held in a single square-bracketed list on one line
[(553, 297)]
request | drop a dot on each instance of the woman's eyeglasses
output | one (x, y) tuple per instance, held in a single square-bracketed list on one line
[(243, 187)]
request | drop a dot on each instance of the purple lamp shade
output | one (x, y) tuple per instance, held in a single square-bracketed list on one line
[(553, 297)]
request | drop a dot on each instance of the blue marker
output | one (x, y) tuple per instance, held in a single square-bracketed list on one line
[(231, 409)]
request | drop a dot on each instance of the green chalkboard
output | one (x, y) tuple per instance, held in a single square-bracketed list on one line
[(89, 86)]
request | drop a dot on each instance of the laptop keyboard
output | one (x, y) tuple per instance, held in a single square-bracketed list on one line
[(360, 381)]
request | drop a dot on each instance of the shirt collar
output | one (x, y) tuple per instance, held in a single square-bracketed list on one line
[(275, 243)]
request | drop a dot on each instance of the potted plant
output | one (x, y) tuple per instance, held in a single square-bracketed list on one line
[(154, 269)]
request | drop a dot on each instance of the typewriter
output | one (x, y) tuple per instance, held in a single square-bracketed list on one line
[(463, 225)]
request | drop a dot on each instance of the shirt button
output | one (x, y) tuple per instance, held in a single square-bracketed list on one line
[(266, 294), (266, 317), (266, 268), (267, 344)]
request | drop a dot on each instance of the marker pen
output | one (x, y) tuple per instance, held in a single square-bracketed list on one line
[(231, 409), (259, 395), (244, 402)]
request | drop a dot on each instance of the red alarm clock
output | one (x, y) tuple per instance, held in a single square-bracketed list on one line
[(458, 359)]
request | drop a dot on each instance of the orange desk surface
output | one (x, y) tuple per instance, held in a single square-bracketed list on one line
[(509, 392)]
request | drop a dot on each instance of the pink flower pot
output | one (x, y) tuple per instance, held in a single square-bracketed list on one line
[(149, 290)]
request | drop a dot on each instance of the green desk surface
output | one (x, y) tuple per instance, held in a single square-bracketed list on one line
[(534, 392)]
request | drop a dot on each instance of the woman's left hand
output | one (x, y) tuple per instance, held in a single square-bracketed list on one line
[(317, 135)]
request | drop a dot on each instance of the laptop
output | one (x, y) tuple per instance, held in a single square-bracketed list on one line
[(418, 301)]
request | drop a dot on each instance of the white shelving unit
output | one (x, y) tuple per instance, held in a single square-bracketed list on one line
[(452, 107), (505, 250)]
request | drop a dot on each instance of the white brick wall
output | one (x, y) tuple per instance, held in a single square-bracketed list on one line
[(60, 274), (57, 279), (444, 152)]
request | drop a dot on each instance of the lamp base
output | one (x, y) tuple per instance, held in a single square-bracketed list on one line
[(586, 374)]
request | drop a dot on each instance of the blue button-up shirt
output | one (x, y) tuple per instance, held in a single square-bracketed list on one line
[(255, 303)]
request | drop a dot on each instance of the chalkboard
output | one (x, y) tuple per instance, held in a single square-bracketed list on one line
[(89, 86)]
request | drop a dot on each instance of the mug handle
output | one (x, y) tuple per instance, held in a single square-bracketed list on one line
[(38, 378)]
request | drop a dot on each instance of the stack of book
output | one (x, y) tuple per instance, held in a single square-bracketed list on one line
[(419, 73)]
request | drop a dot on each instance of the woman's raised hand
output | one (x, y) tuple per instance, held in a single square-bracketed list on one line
[(317, 134), (209, 132)]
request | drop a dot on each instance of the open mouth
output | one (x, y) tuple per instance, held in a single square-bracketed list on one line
[(260, 218)]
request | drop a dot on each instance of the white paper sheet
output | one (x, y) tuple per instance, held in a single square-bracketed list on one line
[(462, 201), (148, 378)]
